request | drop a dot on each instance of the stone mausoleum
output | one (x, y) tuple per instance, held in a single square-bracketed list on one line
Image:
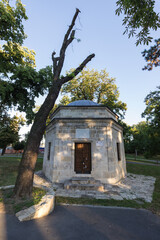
[(84, 139)]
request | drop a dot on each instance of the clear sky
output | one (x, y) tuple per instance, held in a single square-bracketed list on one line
[(101, 32)]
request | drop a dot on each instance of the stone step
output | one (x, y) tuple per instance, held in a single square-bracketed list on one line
[(87, 187), (84, 180)]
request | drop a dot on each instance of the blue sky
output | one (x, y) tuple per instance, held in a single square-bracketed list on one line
[(101, 32)]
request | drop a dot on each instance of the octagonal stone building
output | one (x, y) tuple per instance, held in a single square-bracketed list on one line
[(84, 139)]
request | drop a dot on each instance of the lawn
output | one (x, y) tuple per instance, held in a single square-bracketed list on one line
[(9, 168), (149, 171), (154, 159), (8, 173), (13, 205)]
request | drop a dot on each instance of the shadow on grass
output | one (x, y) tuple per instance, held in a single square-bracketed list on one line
[(13, 205)]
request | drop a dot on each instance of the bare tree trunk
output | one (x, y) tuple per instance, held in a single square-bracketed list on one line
[(3, 150), (24, 182)]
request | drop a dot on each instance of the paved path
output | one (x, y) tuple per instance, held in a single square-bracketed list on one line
[(143, 159), (142, 163), (84, 223)]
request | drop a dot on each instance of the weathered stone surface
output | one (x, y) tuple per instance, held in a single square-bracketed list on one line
[(95, 125), (6, 187), (131, 188), (42, 209), (134, 187)]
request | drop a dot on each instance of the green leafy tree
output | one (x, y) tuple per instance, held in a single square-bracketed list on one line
[(152, 111), (144, 139), (20, 83), (12, 36), (140, 136), (145, 136), (9, 128), (139, 18), (152, 114), (19, 145), (127, 135), (152, 56), (95, 86)]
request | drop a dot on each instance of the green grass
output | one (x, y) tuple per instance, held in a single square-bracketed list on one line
[(141, 157), (149, 171), (99, 202), (8, 173), (9, 169), (15, 205), (142, 161)]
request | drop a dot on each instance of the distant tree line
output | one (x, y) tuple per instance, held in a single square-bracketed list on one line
[(144, 137)]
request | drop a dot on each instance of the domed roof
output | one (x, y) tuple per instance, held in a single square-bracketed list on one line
[(83, 103)]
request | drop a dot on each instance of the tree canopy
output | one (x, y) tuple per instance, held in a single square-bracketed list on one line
[(12, 36), (152, 56), (9, 128), (145, 136), (95, 86), (140, 17), (152, 111), (20, 83), (19, 145)]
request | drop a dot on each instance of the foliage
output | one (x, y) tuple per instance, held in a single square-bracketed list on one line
[(145, 136), (9, 128), (95, 86), (152, 56), (140, 18), (65, 100), (19, 145), (137, 138), (13, 206), (12, 36), (126, 134), (139, 15), (152, 113), (24, 86), (20, 83)]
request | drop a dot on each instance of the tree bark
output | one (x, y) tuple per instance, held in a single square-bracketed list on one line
[(24, 182), (3, 150)]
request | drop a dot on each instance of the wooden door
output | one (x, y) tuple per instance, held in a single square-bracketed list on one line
[(83, 158)]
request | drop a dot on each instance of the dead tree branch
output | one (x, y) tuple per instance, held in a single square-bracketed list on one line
[(77, 70), (68, 38)]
